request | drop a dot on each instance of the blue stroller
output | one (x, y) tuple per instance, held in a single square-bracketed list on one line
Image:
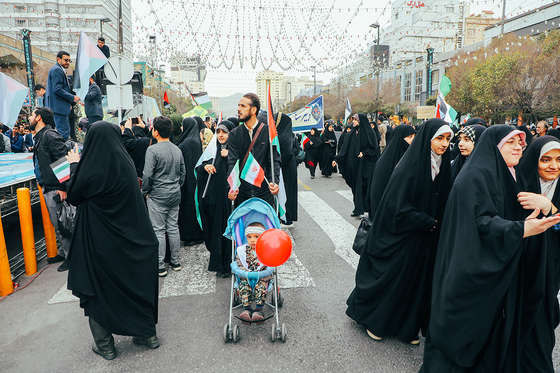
[(250, 211)]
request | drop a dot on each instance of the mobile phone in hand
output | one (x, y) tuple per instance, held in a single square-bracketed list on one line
[(135, 120)]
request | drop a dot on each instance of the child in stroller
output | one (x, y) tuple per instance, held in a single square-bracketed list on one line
[(246, 259)]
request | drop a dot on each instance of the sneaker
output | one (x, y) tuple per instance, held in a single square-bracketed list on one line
[(415, 341), (107, 355), (175, 267), (55, 259), (64, 266), (258, 317), (246, 316), (373, 336), (288, 224), (162, 272)]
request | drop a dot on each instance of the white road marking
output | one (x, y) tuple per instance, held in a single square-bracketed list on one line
[(346, 194), (341, 232), (293, 274), (193, 278), (63, 295)]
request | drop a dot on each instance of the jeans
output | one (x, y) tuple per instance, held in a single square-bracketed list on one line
[(62, 125), (165, 219), (54, 207)]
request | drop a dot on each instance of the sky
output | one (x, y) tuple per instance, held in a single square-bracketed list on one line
[(242, 37)]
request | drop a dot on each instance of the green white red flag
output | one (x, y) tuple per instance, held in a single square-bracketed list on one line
[(233, 178), (252, 172), (304, 140)]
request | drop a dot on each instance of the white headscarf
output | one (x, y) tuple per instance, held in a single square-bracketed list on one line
[(436, 159), (548, 187)]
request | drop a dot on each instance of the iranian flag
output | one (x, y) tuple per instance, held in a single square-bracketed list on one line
[(89, 59), (233, 178), (202, 99), (444, 111), (252, 172), (304, 140), (61, 169)]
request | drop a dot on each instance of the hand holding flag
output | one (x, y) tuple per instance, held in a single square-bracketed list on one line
[(233, 179)]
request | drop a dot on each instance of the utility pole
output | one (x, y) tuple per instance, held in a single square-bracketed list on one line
[(102, 21), (120, 28), (377, 26), (314, 80), (503, 16), (28, 55)]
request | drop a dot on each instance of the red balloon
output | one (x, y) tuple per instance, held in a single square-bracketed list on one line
[(274, 247)]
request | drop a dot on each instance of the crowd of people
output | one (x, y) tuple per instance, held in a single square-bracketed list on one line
[(462, 247)]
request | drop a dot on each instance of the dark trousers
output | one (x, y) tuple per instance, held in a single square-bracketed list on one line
[(94, 119), (62, 125), (103, 339)]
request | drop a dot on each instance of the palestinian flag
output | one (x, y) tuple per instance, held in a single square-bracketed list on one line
[(444, 111), (272, 124), (252, 172), (12, 96), (445, 85), (233, 178), (348, 110), (89, 59), (304, 140), (202, 99), (165, 100), (61, 169)]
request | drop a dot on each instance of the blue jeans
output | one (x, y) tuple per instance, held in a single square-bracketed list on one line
[(62, 125)]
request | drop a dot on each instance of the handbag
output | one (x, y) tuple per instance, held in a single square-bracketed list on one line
[(66, 216), (361, 236)]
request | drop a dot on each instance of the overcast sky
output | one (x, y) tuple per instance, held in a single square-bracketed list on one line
[(340, 32)]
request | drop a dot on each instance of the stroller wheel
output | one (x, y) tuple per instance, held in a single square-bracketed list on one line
[(236, 335), (280, 299), (226, 333), (273, 335), (284, 333)]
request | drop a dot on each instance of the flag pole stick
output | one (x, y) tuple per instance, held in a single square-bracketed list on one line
[(271, 123), (208, 181)]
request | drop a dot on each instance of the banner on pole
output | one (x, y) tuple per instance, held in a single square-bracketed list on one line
[(310, 116)]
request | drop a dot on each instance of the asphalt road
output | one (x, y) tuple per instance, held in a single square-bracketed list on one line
[(44, 329)]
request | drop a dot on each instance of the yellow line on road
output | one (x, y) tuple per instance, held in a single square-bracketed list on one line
[(303, 185)]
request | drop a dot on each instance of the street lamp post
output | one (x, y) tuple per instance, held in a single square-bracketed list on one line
[(376, 25), (314, 80), (102, 21)]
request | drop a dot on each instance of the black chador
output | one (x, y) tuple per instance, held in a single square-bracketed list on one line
[(313, 149), (191, 146), (329, 151), (541, 268), (357, 170), (394, 275), (114, 251), (478, 277), (289, 165), (215, 207), (396, 147)]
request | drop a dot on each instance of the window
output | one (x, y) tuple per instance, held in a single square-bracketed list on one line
[(399, 81), (19, 8), (418, 88), (449, 9), (21, 22), (407, 86)]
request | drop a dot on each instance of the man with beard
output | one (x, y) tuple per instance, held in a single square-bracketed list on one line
[(253, 137), (49, 148)]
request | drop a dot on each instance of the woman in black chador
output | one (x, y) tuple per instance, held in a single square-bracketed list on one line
[(395, 149), (540, 167), (357, 159), (467, 138), (313, 151), (479, 318), (190, 144), (114, 251), (329, 151), (215, 207), (394, 275)]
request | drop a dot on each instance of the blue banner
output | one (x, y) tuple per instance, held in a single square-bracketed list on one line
[(311, 116)]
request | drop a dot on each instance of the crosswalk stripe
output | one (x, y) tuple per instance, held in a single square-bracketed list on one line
[(346, 194), (341, 232), (293, 273)]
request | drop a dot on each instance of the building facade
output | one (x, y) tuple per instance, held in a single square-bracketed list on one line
[(56, 24), (187, 73), (475, 25)]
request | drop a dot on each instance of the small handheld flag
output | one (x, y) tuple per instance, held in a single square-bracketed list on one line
[(252, 172), (61, 169), (348, 109), (444, 111), (233, 178), (304, 140)]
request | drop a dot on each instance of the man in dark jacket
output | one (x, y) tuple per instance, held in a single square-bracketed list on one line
[(49, 148), (16, 140), (59, 96), (136, 139), (239, 141), (93, 103)]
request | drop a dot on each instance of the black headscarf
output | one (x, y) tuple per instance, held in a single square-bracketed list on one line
[(541, 268), (394, 275), (528, 134), (177, 120), (384, 167), (234, 120), (114, 251), (312, 148), (329, 150), (473, 132), (200, 123), (475, 301), (343, 136), (191, 146), (554, 132), (289, 165)]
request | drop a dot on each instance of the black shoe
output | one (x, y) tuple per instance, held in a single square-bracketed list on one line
[(107, 355), (225, 274), (313, 177), (151, 342), (55, 259), (64, 266), (175, 267), (162, 272), (193, 242), (354, 214)]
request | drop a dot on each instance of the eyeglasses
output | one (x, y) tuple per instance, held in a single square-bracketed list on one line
[(66, 59), (512, 143)]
